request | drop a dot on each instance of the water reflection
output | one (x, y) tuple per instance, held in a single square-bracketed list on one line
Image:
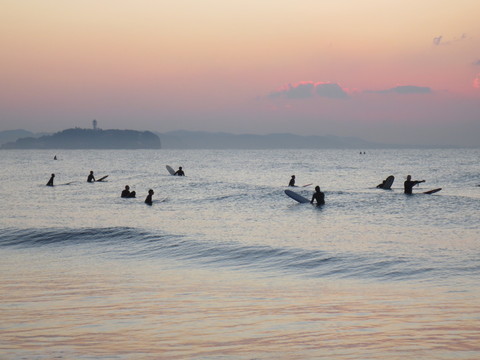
[(57, 305)]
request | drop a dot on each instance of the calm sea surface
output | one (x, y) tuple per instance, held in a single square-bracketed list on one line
[(224, 265)]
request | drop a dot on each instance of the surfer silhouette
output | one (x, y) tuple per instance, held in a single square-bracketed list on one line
[(55, 157), (91, 178), (409, 184), (318, 196), (148, 200), (126, 193), (292, 181), (50, 182), (179, 172)]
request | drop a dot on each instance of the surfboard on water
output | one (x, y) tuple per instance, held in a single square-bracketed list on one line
[(387, 185), (170, 170), (297, 197), (432, 191), (102, 178)]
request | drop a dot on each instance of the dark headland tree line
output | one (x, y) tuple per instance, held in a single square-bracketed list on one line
[(78, 138)]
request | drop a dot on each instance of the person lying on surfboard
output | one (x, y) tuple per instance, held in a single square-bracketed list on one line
[(179, 172), (409, 184), (318, 196), (292, 181)]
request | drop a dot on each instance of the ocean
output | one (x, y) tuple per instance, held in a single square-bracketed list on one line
[(223, 265)]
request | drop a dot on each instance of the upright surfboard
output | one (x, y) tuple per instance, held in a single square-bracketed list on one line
[(387, 185), (432, 191), (297, 197), (170, 170)]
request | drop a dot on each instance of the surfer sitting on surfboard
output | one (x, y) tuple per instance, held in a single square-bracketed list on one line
[(90, 177), (127, 193), (292, 181), (179, 172), (318, 196), (409, 184), (50, 182), (148, 200)]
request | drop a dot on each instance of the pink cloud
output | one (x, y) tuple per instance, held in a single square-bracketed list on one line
[(476, 82), (308, 89)]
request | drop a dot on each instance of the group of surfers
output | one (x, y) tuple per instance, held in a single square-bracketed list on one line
[(126, 193), (407, 185), (319, 197)]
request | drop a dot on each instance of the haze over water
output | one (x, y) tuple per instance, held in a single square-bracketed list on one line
[(225, 265)]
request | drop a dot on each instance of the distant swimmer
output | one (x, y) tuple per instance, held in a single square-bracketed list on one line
[(91, 178), (318, 196), (126, 193), (55, 157), (409, 184), (149, 200), (50, 182), (292, 181), (179, 172)]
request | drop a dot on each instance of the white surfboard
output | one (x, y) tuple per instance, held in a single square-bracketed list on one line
[(170, 170), (297, 197)]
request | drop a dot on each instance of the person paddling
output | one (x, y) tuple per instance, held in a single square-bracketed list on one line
[(318, 196), (409, 184)]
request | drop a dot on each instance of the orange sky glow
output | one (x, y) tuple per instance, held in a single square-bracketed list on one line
[(242, 66)]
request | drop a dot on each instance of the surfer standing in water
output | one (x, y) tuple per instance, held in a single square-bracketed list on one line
[(149, 200), (318, 196), (292, 181), (179, 172), (91, 178), (409, 184), (50, 182)]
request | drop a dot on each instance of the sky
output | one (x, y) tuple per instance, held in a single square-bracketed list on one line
[(403, 72)]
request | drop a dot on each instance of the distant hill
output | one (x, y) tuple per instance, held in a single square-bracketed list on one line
[(181, 139), (205, 140), (89, 139), (13, 135)]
